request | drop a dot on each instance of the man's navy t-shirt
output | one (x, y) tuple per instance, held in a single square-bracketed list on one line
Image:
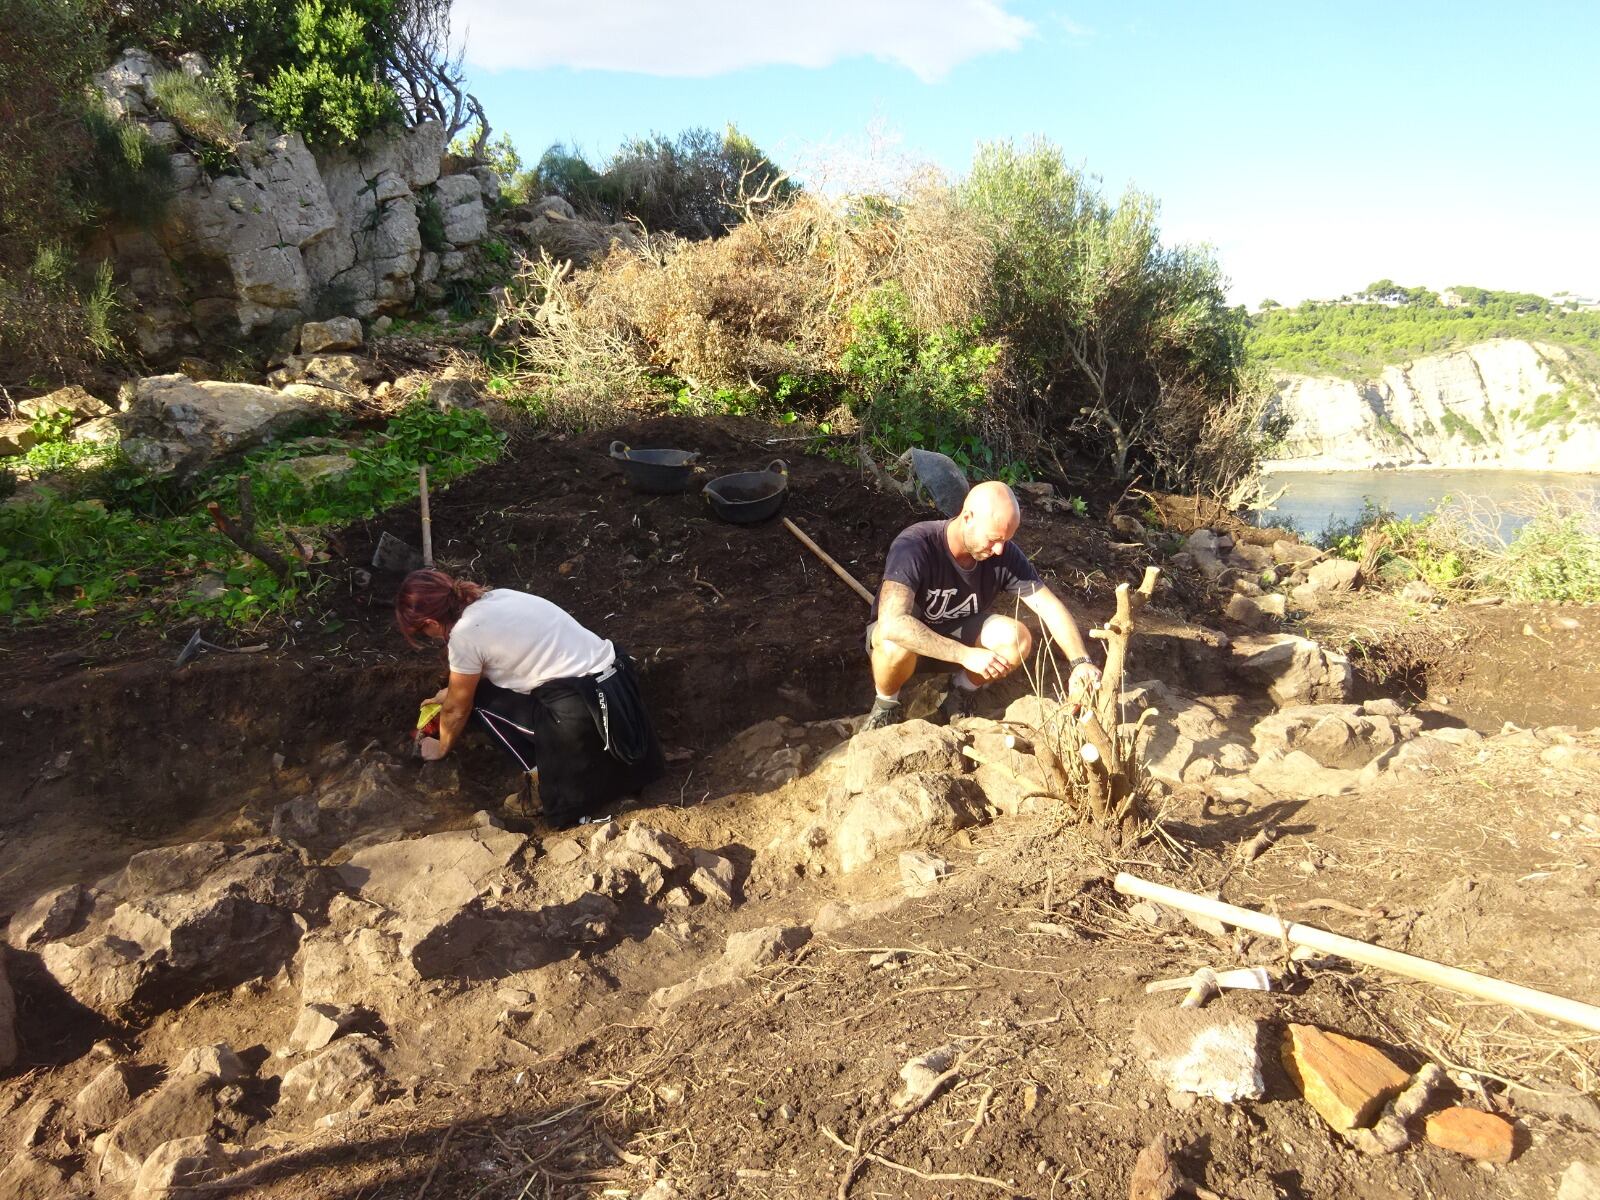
[(946, 595)]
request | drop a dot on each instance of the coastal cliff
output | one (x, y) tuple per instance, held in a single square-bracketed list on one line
[(1505, 403)]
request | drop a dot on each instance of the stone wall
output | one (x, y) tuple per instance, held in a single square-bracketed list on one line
[(291, 234)]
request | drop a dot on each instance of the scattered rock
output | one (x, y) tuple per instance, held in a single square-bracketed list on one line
[(910, 811), (175, 426), (17, 437), (319, 1024), (911, 748), (1254, 612), (342, 1077), (219, 1061), (1293, 553), (1155, 1175), (1346, 1081), (1294, 669), (744, 954), (603, 836), (1418, 592), (78, 404), (920, 870), (1573, 758), (184, 1106), (241, 919), (1478, 1135), (312, 469), (660, 847), (561, 852), (340, 333), (30, 1177), (1128, 526), (1188, 1050), (921, 1076), (188, 1169), (1333, 575), (1556, 1100), (1297, 774), (1421, 756), (105, 1099), (714, 878), (431, 877)]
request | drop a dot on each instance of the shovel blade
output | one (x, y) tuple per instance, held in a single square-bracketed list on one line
[(191, 648), (394, 555)]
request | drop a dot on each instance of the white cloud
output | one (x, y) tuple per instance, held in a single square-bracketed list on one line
[(713, 37)]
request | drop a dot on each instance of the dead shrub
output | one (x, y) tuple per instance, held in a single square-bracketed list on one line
[(772, 298)]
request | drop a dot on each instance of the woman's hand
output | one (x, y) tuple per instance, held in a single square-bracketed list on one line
[(432, 749)]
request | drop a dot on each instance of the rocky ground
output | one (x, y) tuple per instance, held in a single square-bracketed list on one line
[(254, 947)]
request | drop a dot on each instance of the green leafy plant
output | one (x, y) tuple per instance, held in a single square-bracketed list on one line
[(430, 223), (328, 87), (201, 111), (908, 388), (145, 544)]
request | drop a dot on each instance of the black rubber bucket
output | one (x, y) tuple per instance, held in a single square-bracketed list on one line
[(749, 496), (659, 472)]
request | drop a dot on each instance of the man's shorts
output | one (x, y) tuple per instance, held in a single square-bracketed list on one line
[(966, 633)]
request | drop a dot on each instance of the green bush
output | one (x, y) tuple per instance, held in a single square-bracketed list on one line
[(126, 175), (1554, 557), (1123, 350), (908, 388), (689, 185), (430, 224), (328, 88), (1356, 341), (62, 164), (198, 108)]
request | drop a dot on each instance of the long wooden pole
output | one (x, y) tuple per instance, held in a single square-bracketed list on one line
[(427, 520), (827, 560), (1557, 1008)]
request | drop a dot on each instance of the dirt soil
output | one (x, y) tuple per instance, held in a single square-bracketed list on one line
[(112, 749), (1482, 664), (1025, 960)]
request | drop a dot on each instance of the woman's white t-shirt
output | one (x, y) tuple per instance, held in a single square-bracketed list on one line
[(519, 641)]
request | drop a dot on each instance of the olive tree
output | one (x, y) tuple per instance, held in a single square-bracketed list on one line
[(1119, 343)]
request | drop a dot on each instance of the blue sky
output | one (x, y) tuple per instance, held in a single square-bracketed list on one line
[(1316, 146)]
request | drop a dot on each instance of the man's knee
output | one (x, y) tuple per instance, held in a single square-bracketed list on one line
[(1010, 639)]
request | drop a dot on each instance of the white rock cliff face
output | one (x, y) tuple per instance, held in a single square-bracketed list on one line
[(1503, 403), (288, 234)]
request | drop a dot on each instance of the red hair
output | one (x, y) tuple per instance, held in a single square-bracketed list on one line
[(432, 596)]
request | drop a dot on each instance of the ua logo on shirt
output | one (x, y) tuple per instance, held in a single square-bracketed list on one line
[(937, 606)]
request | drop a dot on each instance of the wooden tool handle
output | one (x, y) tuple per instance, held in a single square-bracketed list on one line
[(827, 560), (1544, 1004), (427, 519)]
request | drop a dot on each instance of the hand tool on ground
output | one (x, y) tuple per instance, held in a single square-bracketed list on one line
[(827, 561), (1544, 1004), (392, 554), (1206, 983), (427, 517), (196, 644)]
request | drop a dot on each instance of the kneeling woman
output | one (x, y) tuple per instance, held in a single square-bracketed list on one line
[(560, 699)]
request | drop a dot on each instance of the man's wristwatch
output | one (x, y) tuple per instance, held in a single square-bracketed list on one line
[(1075, 663)]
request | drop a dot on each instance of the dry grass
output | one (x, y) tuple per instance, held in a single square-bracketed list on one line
[(771, 298)]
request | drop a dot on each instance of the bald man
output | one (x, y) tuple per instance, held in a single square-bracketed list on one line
[(932, 609)]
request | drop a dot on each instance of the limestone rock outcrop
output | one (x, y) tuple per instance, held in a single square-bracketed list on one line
[(290, 233), (1500, 403)]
